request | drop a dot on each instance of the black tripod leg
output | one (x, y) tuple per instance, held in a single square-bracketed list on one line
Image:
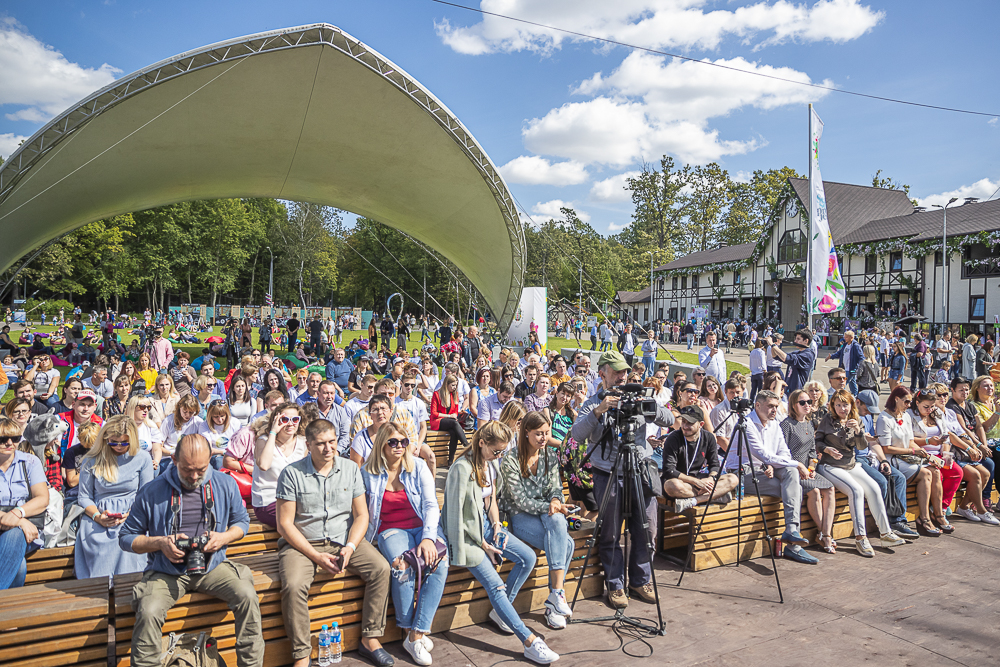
[(696, 532), (639, 501), (768, 538)]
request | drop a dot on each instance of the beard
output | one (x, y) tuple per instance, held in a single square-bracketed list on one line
[(197, 484)]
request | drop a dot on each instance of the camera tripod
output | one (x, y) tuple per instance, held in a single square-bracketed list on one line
[(739, 441), (629, 467)]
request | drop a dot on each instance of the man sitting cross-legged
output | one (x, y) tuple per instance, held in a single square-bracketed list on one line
[(691, 464)]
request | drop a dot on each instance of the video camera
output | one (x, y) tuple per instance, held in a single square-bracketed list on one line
[(194, 553), (740, 405), (636, 401)]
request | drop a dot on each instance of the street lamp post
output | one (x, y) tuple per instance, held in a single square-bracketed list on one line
[(944, 262), (270, 286), (652, 291)]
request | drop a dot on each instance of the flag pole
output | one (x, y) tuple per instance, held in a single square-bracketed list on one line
[(808, 272)]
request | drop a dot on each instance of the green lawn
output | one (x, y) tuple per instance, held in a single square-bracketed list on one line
[(683, 357)]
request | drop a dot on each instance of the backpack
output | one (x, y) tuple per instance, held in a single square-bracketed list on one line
[(189, 650)]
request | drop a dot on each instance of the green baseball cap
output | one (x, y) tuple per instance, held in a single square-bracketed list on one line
[(615, 360)]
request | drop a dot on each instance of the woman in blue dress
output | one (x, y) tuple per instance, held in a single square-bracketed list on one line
[(113, 471)]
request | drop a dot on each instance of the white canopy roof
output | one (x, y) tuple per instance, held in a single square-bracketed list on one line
[(305, 114)]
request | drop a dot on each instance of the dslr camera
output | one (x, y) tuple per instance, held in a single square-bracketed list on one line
[(194, 553), (740, 405), (636, 401)]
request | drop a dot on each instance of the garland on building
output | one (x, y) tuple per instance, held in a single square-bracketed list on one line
[(922, 249)]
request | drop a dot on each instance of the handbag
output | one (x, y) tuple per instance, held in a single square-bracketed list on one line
[(415, 562), (892, 505), (651, 479), (244, 480), (191, 650)]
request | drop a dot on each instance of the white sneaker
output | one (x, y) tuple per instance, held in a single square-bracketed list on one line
[(891, 539), (986, 517), (428, 644), (539, 652), (554, 620), (968, 514), (495, 617), (681, 504), (557, 603), (417, 650)]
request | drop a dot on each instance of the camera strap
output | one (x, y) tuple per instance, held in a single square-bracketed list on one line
[(207, 507)]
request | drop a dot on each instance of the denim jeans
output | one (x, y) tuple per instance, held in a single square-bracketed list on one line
[(690, 340), (392, 543), (499, 594), (852, 383), (883, 485), (518, 553), (548, 533), (609, 548), (13, 548), (650, 364), (991, 466)]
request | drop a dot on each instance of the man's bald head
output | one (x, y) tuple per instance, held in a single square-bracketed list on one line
[(192, 458)]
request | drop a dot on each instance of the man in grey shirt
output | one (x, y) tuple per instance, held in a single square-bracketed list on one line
[(593, 419), (322, 519)]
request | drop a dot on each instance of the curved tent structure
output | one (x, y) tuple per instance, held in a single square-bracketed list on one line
[(305, 114)]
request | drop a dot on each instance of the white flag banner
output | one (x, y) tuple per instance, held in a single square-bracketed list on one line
[(826, 287)]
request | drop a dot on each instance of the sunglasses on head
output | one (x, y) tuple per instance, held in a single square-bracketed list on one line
[(285, 419), (216, 403), (398, 443)]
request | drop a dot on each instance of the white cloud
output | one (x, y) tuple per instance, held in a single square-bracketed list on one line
[(982, 188), (534, 170), (39, 78), (549, 210), (612, 227), (651, 106), (993, 121), (613, 189), (678, 24), (9, 143)]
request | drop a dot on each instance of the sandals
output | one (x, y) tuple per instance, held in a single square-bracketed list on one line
[(927, 529), (830, 547), (942, 522)]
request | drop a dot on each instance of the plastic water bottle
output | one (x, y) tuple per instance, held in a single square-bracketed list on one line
[(336, 651), (324, 647)]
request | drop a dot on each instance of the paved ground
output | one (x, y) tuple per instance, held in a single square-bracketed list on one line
[(923, 605)]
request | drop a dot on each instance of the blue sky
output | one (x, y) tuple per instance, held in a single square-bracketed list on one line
[(566, 119)]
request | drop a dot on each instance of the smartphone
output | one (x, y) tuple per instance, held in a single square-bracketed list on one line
[(575, 510), (114, 515)]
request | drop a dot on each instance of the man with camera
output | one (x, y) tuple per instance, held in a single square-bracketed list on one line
[(800, 362), (186, 517), (778, 474), (691, 464), (595, 424)]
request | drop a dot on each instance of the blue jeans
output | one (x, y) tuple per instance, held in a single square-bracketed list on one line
[(519, 554), (650, 364), (852, 383), (609, 548), (883, 485), (392, 543), (499, 594), (51, 402), (548, 533), (690, 339), (987, 463), (13, 548)]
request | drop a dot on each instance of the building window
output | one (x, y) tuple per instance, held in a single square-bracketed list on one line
[(716, 279), (977, 307), (684, 282), (673, 314), (660, 313), (983, 262), (673, 283), (937, 258), (871, 264), (694, 281), (896, 261), (792, 246), (736, 277)]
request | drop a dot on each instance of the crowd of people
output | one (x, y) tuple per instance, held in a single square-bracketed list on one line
[(141, 463)]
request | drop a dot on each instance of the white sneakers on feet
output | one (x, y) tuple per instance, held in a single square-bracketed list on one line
[(428, 644), (891, 539), (495, 617), (417, 650), (987, 517), (557, 602), (968, 514), (539, 652), (681, 504), (554, 620)]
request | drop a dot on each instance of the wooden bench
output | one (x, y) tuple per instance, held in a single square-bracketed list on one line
[(50, 565), (337, 598), (438, 442), (54, 624)]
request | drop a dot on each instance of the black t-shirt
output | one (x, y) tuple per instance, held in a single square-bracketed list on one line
[(444, 334), (71, 461), (968, 412), (292, 325), (315, 327), (192, 519), (681, 457)]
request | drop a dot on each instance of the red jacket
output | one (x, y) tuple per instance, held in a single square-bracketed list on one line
[(68, 435), (438, 411)]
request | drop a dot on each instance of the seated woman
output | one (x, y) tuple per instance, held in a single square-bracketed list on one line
[(273, 381), (445, 406), (23, 499), (533, 499), (403, 514), (686, 393), (931, 435), (483, 389), (818, 409), (218, 427), (283, 443), (380, 410), (164, 399), (146, 371), (173, 427), (711, 394), (46, 381), (242, 405), (539, 400), (476, 537), (983, 397), (112, 472), (819, 494), (976, 470), (560, 413), (71, 387), (773, 381), (837, 437), (148, 436)]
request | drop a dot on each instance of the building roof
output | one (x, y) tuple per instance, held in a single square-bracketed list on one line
[(966, 219), (734, 253), (851, 207), (641, 296)]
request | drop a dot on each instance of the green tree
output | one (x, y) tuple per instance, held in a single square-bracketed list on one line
[(751, 204)]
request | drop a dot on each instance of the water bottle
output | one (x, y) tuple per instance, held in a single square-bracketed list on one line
[(336, 651), (324, 647)]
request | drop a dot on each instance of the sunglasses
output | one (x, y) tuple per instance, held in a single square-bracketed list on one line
[(216, 403), (398, 443), (119, 443), (806, 402), (10, 439), (411, 385), (285, 419), (211, 384), (699, 375), (144, 406), (690, 391)]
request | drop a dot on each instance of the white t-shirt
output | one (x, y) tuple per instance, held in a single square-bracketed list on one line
[(265, 482), (241, 412), (43, 379), (362, 444), (354, 406), (416, 408), (170, 435), (217, 439), (147, 436)]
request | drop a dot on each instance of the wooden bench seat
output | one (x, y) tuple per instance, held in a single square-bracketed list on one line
[(339, 599), (55, 623), (438, 442)]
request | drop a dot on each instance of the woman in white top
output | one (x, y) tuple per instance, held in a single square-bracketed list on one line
[(241, 405), (174, 426), (380, 410), (165, 399), (428, 379), (217, 428), (150, 437), (45, 379), (284, 443)]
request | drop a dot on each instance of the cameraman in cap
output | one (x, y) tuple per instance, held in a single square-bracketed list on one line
[(190, 502), (595, 421)]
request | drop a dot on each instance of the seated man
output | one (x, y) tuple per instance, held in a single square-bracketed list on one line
[(775, 472), (190, 500), (691, 464), (322, 518)]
